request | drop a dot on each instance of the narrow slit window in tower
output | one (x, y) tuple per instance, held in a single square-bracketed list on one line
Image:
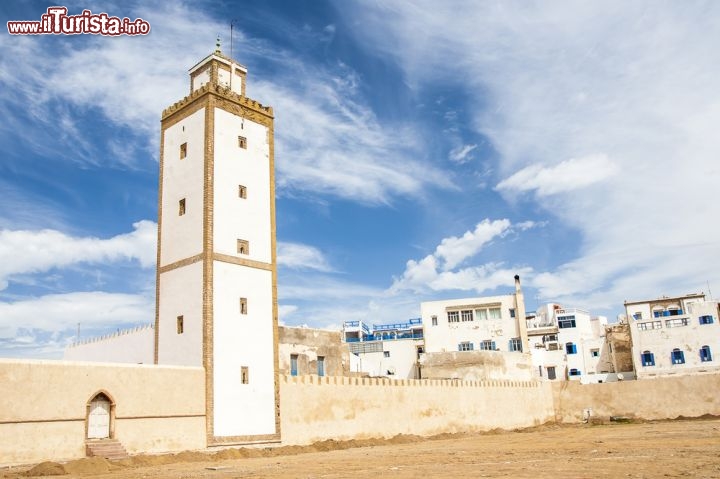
[(243, 247)]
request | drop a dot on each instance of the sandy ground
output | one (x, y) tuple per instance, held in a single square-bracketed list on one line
[(648, 450)]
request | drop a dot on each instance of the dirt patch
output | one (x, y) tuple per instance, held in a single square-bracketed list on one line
[(636, 450), (91, 465), (46, 469)]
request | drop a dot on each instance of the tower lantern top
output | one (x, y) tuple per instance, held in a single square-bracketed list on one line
[(219, 70)]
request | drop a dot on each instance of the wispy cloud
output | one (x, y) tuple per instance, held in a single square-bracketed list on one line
[(342, 149), (339, 148), (462, 153), (634, 83), (301, 256), (569, 175)]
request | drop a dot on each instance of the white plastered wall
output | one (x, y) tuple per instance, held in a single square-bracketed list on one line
[(236, 218), (243, 340), (182, 236), (200, 79), (446, 336), (134, 346), (400, 364), (224, 79), (181, 293)]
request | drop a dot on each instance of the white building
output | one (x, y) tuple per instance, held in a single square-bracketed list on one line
[(471, 324), (678, 335), (570, 344), (385, 350), (216, 271)]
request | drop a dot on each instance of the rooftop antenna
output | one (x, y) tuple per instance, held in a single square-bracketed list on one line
[(709, 292), (232, 58), (232, 25)]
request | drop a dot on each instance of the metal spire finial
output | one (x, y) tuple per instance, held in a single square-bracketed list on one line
[(217, 44)]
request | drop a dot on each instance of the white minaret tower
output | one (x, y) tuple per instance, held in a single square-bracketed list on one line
[(217, 273)]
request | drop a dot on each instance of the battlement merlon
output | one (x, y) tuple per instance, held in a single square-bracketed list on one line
[(240, 105)]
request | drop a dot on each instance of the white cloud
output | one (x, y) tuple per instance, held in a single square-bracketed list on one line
[(38, 251), (435, 271), (462, 154), (60, 312), (454, 250), (636, 82), (301, 256), (569, 175)]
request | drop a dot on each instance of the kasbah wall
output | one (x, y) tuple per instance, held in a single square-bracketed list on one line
[(44, 405)]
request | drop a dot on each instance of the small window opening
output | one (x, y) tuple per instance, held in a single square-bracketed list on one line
[(293, 365), (244, 375), (705, 354), (181, 207), (243, 305), (242, 142), (242, 191), (180, 324), (183, 150), (243, 247), (677, 356)]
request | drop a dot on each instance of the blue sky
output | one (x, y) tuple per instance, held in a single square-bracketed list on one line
[(424, 150)]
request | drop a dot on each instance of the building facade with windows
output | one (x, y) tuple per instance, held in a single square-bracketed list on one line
[(385, 350), (475, 324), (674, 335), (569, 343)]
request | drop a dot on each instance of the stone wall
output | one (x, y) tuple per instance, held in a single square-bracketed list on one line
[(618, 337), (647, 399), (44, 406), (342, 408), (308, 344), (477, 366)]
